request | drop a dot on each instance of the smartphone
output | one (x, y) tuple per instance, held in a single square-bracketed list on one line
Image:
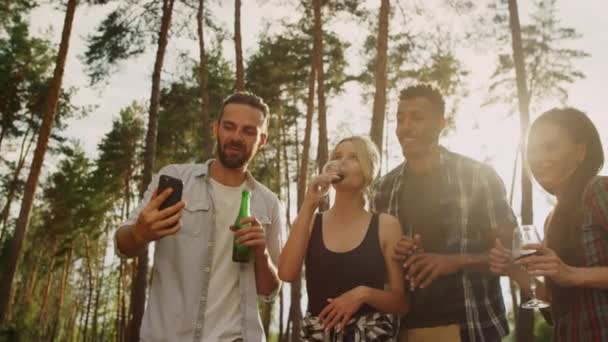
[(177, 185)]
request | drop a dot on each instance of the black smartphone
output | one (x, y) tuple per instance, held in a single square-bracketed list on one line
[(177, 185)]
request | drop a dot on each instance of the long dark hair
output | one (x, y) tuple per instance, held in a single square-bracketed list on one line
[(563, 233), (580, 130)]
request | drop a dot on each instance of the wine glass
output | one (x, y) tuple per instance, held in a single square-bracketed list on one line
[(334, 166), (524, 235)]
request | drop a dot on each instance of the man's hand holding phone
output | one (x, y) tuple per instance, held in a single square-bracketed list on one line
[(153, 222)]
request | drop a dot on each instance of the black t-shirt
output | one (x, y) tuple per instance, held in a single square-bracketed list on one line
[(423, 212)]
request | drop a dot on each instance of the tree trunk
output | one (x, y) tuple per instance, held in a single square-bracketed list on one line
[(295, 311), (23, 152), (26, 292), (81, 326), (98, 287), (283, 138), (138, 288), (71, 323), (96, 304), (524, 107), (278, 155), (106, 322), (377, 128), (512, 287), (238, 46), (207, 141), (16, 242), (60, 295), (322, 148), (119, 304), (45, 296), (2, 133), (525, 323), (91, 286), (127, 196)]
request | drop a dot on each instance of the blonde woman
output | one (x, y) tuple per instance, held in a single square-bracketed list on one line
[(347, 253)]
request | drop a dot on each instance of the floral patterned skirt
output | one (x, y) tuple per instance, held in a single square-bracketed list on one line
[(374, 326)]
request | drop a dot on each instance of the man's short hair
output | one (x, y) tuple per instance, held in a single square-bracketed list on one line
[(246, 98), (428, 92)]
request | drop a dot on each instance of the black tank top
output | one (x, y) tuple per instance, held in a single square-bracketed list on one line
[(329, 274)]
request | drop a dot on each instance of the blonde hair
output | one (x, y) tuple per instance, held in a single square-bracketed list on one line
[(368, 156)]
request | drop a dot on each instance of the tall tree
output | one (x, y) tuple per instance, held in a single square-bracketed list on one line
[(525, 322), (180, 107), (295, 310), (14, 181), (116, 173), (207, 142), (26, 70), (138, 291), (278, 72), (533, 66), (16, 242), (60, 298), (238, 47), (322, 147), (550, 66), (117, 167), (122, 34), (412, 56), (377, 129)]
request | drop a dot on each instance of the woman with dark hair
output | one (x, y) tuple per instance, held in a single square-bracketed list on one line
[(565, 155)]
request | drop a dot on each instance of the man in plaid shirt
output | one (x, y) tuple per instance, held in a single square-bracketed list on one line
[(451, 209)]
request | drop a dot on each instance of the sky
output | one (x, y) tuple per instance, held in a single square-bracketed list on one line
[(481, 133)]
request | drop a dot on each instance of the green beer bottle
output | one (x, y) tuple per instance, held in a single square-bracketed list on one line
[(240, 253)]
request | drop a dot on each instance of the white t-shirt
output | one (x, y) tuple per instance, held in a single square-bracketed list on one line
[(222, 313)]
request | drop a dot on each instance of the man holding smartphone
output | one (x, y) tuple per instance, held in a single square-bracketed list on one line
[(197, 292)]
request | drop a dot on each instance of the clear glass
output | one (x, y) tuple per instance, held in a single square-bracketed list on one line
[(523, 235), (334, 166)]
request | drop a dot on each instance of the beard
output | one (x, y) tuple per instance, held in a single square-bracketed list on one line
[(235, 159)]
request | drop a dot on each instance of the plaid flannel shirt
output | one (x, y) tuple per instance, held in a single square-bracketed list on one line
[(475, 198), (587, 319)]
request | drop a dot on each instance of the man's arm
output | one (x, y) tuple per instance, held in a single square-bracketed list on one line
[(480, 261), (500, 217), (148, 223), (266, 279), (424, 268), (128, 243), (266, 248)]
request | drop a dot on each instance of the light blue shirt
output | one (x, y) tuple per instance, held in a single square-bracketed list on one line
[(182, 262)]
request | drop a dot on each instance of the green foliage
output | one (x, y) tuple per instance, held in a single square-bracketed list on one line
[(119, 159), (25, 68), (68, 196), (279, 72), (542, 331), (280, 68), (12, 11), (415, 56), (117, 38), (550, 64), (82, 199), (180, 127)]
